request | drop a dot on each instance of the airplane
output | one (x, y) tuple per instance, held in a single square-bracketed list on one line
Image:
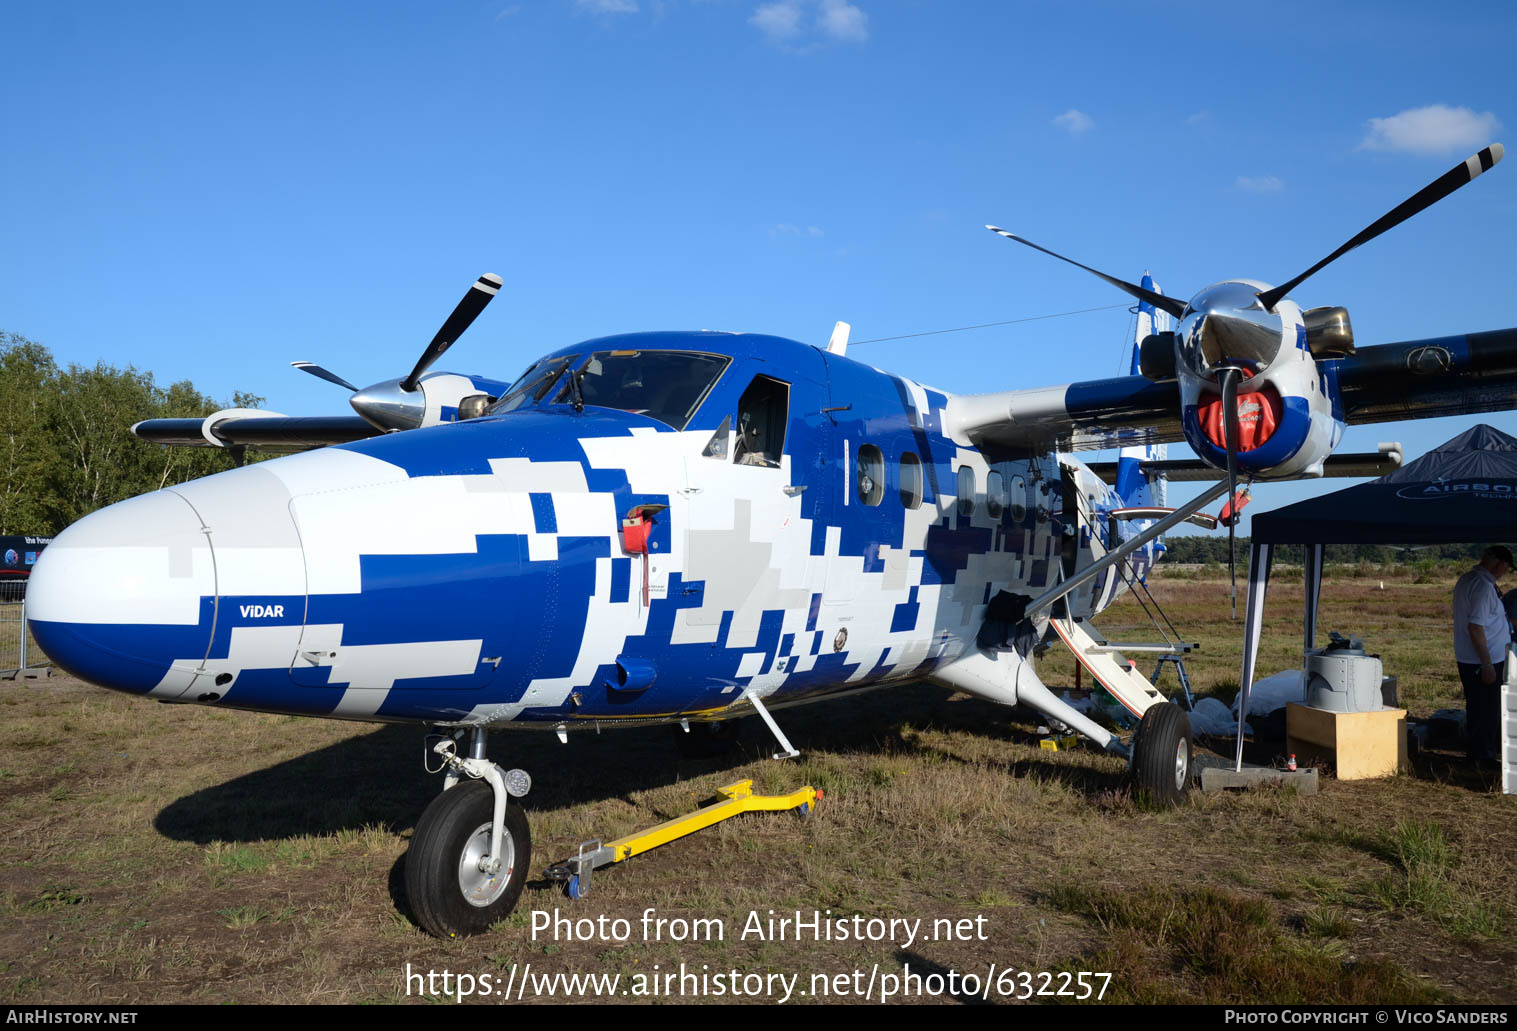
[(690, 527)]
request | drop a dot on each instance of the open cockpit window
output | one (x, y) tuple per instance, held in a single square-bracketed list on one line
[(761, 415), (533, 385), (665, 385)]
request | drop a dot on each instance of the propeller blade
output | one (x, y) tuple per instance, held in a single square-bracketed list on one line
[(1460, 175), (480, 294), (1228, 379), (1169, 304), (320, 373)]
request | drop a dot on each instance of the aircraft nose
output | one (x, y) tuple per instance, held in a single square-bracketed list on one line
[(125, 597)]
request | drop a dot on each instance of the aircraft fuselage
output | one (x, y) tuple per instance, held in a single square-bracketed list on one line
[(479, 573)]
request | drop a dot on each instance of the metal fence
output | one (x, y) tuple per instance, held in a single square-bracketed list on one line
[(18, 649)]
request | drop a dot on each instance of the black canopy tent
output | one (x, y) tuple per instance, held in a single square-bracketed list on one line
[(1463, 491)]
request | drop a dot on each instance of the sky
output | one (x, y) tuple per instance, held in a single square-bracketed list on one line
[(211, 191)]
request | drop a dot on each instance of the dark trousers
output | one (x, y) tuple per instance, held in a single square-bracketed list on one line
[(1482, 710)]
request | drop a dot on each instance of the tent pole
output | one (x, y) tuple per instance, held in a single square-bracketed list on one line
[(1258, 580), (1312, 585)]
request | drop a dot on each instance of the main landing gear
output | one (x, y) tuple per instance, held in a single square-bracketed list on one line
[(470, 854), (1161, 755)]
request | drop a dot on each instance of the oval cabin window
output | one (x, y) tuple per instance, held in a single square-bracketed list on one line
[(911, 480)]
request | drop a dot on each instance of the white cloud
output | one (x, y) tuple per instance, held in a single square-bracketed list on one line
[(787, 229), (1076, 121), (1198, 118), (1435, 129), (1261, 183), (607, 6), (791, 23), (779, 21), (842, 20)]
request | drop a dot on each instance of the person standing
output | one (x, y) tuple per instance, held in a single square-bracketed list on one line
[(1481, 636)]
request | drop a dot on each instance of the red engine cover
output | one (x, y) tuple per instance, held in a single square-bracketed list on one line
[(1258, 416)]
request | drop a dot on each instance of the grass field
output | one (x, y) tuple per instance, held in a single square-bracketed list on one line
[(153, 853)]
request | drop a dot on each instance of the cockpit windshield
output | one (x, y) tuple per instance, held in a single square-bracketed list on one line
[(665, 385), (533, 385)]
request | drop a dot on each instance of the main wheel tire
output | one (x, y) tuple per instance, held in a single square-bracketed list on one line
[(450, 896), (708, 740), (1162, 755)]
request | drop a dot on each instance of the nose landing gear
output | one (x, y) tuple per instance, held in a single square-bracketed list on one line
[(469, 856)]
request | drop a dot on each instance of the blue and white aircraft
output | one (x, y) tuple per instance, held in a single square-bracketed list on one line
[(696, 526)]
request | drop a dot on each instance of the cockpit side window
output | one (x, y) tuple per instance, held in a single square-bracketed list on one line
[(717, 447), (761, 416)]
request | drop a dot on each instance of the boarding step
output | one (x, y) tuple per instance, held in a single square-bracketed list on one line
[(1156, 647), (1107, 666)]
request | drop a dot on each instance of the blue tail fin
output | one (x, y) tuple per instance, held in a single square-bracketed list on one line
[(1133, 487)]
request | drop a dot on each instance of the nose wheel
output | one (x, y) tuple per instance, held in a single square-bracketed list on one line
[(455, 885)]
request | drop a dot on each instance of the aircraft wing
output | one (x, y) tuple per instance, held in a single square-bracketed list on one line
[(258, 429), (1423, 379), (1088, 416), (1415, 379)]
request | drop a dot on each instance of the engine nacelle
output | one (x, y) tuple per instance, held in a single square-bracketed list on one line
[(1289, 417)]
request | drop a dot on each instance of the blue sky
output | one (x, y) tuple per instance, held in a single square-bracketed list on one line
[(212, 191)]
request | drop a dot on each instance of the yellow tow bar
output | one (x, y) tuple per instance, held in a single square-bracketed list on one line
[(736, 799)]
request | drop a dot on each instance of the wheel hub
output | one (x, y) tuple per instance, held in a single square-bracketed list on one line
[(1180, 765), (482, 878)]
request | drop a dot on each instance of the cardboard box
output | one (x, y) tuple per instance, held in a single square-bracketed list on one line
[(1358, 745)]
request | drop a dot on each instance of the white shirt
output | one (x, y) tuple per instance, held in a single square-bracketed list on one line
[(1478, 600)]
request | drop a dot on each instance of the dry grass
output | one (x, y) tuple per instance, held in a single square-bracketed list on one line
[(163, 853), (1402, 613)]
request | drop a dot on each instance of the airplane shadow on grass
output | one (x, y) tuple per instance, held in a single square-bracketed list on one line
[(377, 779)]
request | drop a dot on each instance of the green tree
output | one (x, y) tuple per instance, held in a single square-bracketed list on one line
[(28, 455), (66, 446)]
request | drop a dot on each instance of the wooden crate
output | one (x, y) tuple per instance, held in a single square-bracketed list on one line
[(1358, 745)]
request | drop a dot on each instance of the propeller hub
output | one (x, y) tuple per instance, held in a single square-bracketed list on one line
[(1225, 326), (389, 406)]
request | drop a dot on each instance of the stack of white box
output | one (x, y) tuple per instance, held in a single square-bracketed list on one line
[(1509, 724)]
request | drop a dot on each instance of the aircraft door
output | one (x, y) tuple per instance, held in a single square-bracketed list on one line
[(751, 498), (1081, 538)]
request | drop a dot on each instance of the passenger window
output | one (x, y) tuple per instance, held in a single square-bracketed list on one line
[(995, 495), (761, 415), (911, 480), (871, 475), (966, 490), (1018, 499)]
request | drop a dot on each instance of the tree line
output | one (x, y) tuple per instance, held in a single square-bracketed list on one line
[(65, 443), (1190, 549)]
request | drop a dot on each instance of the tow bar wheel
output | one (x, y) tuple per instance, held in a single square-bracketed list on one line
[(1162, 755), (453, 887)]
